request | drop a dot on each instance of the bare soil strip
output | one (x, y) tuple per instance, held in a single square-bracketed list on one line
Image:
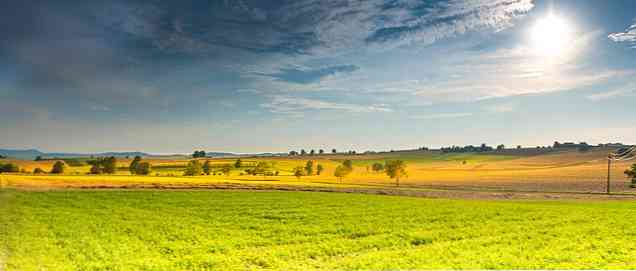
[(452, 193)]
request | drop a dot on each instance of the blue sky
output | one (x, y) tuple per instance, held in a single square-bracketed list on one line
[(256, 76)]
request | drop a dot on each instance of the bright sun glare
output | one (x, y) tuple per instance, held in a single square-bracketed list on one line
[(551, 36)]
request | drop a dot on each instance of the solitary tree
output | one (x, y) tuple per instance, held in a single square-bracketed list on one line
[(309, 168), (303, 152), (38, 170), (312, 152), (58, 167), (501, 147), (319, 169), (396, 169), (38, 158), (238, 163), (321, 151), (632, 174), (144, 168), (334, 151), (299, 172), (133, 165), (193, 168), (207, 167), (341, 172), (348, 164)]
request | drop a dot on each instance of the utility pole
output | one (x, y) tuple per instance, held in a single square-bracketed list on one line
[(609, 165)]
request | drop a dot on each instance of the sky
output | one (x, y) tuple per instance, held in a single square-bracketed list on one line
[(273, 76)]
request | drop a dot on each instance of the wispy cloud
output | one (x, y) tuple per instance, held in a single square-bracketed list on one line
[(295, 105), (442, 116), (620, 92), (629, 35), (306, 76)]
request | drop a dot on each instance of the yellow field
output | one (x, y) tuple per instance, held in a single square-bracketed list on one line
[(565, 170)]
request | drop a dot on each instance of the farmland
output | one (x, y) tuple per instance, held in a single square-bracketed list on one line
[(547, 171), (186, 230)]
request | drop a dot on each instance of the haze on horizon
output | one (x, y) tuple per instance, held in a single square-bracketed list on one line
[(269, 76)]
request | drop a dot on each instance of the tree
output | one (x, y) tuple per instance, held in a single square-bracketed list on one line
[(377, 167), (207, 167), (38, 158), (312, 152), (303, 152), (226, 169), (319, 169), (97, 169), (198, 154), (501, 147), (144, 168), (632, 174), (193, 168), (109, 165), (341, 172), (396, 169), (299, 172), (9, 168), (293, 153), (238, 163), (321, 151), (58, 167), (133, 165), (309, 168), (38, 170), (348, 164), (334, 151)]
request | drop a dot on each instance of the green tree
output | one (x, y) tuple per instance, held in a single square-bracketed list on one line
[(58, 167), (238, 163), (299, 172), (303, 152), (38, 158), (109, 165), (96, 169), (226, 169), (321, 151), (341, 172), (377, 167), (396, 169), (193, 168), (309, 168), (9, 168), (319, 169), (133, 165), (38, 170), (632, 174), (144, 168), (207, 167), (348, 164)]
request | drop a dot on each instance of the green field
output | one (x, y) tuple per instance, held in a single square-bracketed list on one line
[(199, 230)]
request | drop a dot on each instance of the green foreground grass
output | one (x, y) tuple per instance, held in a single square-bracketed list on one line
[(198, 230)]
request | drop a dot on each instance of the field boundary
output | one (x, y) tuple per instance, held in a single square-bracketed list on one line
[(432, 192)]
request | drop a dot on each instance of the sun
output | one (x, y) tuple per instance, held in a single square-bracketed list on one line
[(551, 36)]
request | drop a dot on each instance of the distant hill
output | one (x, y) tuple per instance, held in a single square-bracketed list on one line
[(32, 154)]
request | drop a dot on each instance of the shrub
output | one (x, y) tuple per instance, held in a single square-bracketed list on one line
[(38, 171), (58, 167)]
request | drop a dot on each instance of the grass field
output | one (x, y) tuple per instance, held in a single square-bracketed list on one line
[(202, 230)]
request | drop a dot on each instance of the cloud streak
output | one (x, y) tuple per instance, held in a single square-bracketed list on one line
[(297, 105), (628, 36)]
